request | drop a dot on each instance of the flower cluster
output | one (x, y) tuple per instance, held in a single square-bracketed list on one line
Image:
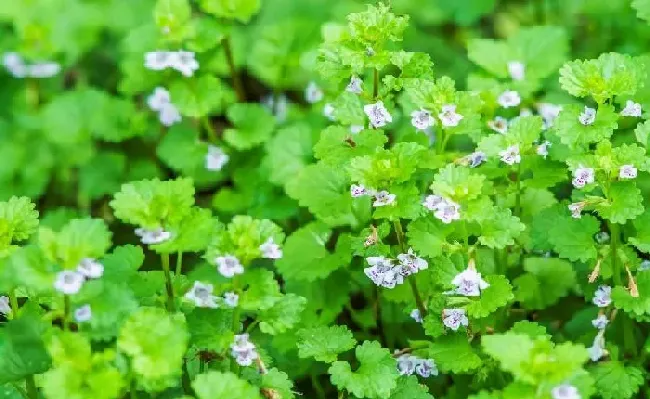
[(228, 265), (582, 176), (511, 155), (155, 236), (384, 273), (160, 101), (69, 282), (469, 281), (377, 114), (443, 208), (243, 351), (382, 198), (454, 318), (201, 295), (17, 67), (408, 364), (182, 61), (603, 296)]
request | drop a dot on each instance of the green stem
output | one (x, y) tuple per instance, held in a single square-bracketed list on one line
[(13, 301), (186, 381), (236, 81), (375, 84), (30, 384), (441, 141), (211, 133), (518, 198), (318, 387), (168, 282), (414, 288), (179, 263), (616, 271), (66, 313)]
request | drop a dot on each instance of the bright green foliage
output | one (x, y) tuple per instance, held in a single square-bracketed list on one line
[(624, 202), (324, 343), (386, 167), (454, 354), (153, 203), (571, 238), (427, 236), (334, 146), (210, 329), (263, 290), (253, 125), (408, 387), (242, 238), (636, 307), (284, 314), (642, 238), (240, 10), (375, 377), (498, 294), (79, 239), (216, 385), (609, 75), (28, 267), (18, 220), (155, 366), (614, 380), (78, 373), (198, 98), (545, 282), (190, 234), (575, 134), (642, 8), (22, 351), (306, 256)]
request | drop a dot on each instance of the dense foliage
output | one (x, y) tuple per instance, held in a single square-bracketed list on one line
[(240, 199)]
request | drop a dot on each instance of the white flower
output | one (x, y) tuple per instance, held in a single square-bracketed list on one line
[(378, 114), (216, 158), (412, 262), (382, 272), (416, 315), (358, 190), (549, 113), (42, 70), (384, 198), (576, 209), (231, 299), (229, 265), (631, 109), (354, 129), (406, 364), (582, 176), (600, 322), (627, 172), (157, 60), (499, 124), (169, 115), (158, 99), (243, 350), (14, 64), (328, 112), (602, 237), (83, 314), (184, 62), (516, 70), (313, 93), (153, 236), (68, 282), (355, 85), (448, 116), (422, 119), (565, 391), (5, 308), (270, 250), (588, 116), (645, 265), (603, 296), (454, 318), (510, 155), (542, 149), (476, 158), (597, 349), (469, 282), (447, 212), (90, 268), (509, 98), (201, 295), (433, 202), (426, 367)]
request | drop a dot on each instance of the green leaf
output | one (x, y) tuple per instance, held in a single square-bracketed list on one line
[(242, 238), (240, 10), (386, 167), (288, 152), (545, 282), (498, 294), (457, 183), (191, 234), (611, 74), (642, 238), (153, 203), (324, 343), (453, 354), (253, 125), (28, 267), (102, 175), (624, 202), (22, 351), (216, 385), (377, 25), (198, 97), (573, 238), (337, 146), (573, 133), (18, 220), (306, 257), (636, 307), (375, 377), (283, 315), (172, 17), (211, 329), (642, 8), (615, 381), (500, 228), (277, 382), (427, 236), (80, 238), (155, 366), (642, 133), (263, 290), (408, 387)]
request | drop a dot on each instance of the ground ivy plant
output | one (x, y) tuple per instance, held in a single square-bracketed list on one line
[(274, 199)]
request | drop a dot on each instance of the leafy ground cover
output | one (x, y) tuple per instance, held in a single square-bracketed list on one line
[(240, 199)]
